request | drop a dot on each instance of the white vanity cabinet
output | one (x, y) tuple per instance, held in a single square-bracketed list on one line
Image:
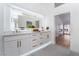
[(16, 45), (22, 44)]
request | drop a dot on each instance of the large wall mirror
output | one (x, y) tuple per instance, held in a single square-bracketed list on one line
[(23, 20)]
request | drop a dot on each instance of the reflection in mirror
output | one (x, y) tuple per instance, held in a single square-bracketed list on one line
[(29, 24), (21, 20), (28, 21)]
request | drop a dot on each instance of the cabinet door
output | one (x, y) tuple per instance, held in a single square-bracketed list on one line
[(25, 45), (44, 38), (47, 38), (11, 48), (0, 47)]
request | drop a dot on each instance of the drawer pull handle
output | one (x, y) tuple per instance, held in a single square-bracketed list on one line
[(20, 43), (41, 38), (34, 39), (41, 43), (33, 35), (17, 44), (34, 45)]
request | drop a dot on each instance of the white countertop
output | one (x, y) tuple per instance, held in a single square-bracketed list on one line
[(20, 33)]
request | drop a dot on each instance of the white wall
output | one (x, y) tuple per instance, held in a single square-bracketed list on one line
[(1, 18), (6, 18), (75, 27), (1, 25)]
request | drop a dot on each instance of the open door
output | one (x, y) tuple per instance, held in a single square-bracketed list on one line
[(62, 30)]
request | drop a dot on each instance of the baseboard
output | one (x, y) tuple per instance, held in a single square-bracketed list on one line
[(41, 47)]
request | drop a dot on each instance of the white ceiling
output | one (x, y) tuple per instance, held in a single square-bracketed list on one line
[(41, 8)]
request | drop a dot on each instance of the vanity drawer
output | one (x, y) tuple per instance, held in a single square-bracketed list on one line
[(35, 43), (34, 46), (19, 37), (44, 35), (10, 38), (34, 35), (34, 40)]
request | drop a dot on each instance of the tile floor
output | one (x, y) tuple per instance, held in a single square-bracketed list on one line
[(54, 50)]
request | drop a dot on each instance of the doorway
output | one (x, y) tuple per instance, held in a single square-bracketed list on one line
[(62, 30)]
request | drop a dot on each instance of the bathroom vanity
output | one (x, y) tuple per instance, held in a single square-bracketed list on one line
[(17, 43), (23, 43)]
